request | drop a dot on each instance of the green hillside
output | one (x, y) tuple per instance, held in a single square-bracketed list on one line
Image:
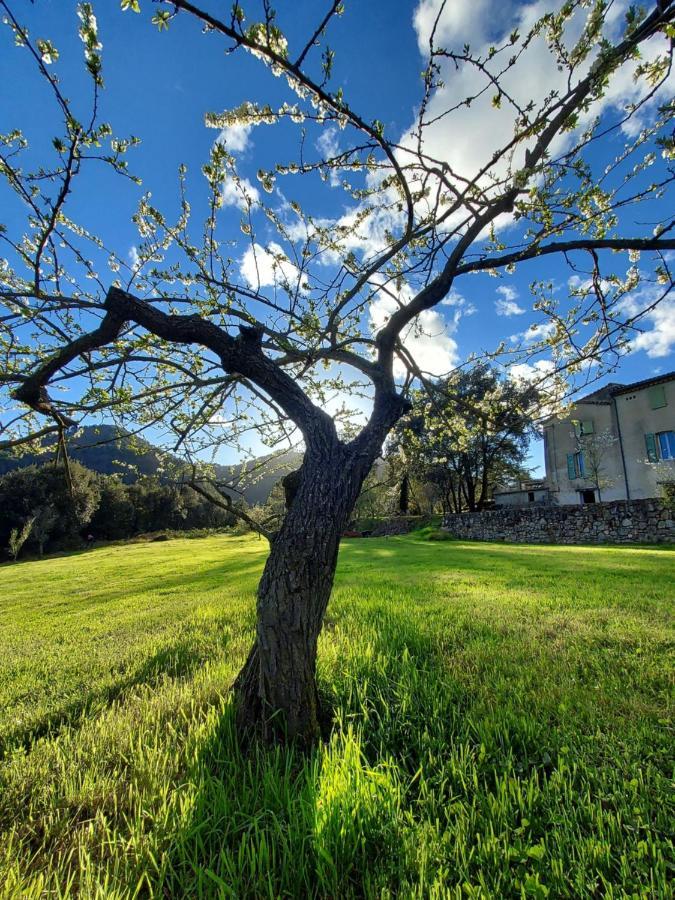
[(112, 451), (501, 726)]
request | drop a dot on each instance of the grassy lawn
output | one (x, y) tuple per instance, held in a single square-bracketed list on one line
[(502, 726)]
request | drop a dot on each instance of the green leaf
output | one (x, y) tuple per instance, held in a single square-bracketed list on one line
[(133, 5), (161, 20)]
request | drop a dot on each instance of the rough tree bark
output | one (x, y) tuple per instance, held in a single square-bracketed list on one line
[(276, 693)]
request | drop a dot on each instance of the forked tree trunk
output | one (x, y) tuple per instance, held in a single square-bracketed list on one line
[(276, 693)]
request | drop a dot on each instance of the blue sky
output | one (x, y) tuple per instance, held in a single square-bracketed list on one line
[(160, 85)]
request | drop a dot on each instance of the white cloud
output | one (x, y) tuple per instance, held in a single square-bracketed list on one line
[(235, 137), (134, 258), (462, 306), (467, 139), (328, 144), (266, 266), (365, 237), (428, 339), (534, 333), (582, 286), (551, 385), (657, 337), (329, 147), (534, 372), (508, 308), (241, 193), (506, 305), (462, 21), (507, 292)]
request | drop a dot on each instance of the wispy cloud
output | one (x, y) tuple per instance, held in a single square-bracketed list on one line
[(506, 305), (657, 327)]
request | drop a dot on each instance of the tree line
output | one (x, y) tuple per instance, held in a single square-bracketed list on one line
[(55, 507)]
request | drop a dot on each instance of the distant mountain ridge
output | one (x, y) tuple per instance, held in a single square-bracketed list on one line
[(110, 450)]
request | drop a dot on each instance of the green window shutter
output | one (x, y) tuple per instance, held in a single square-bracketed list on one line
[(571, 468), (587, 427), (650, 441), (657, 396)]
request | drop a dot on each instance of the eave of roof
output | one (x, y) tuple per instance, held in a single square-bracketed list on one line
[(647, 382), (613, 389)]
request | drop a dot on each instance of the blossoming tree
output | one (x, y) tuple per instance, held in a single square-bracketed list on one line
[(178, 337)]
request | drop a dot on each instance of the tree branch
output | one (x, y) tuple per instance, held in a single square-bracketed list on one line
[(242, 355), (498, 262)]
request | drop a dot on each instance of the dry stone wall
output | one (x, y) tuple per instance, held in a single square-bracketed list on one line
[(621, 522)]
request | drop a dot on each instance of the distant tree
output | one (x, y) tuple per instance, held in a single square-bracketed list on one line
[(157, 506), (467, 432), (404, 495), (59, 503), (18, 537), (177, 337), (115, 516), (378, 496), (45, 519)]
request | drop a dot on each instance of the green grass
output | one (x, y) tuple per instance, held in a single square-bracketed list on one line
[(502, 726)]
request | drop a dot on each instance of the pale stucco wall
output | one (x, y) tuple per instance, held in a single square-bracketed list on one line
[(632, 413), (636, 419), (560, 440)]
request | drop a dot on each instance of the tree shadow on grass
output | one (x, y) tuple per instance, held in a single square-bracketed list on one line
[(339, 822), (177, 660), (203, 578)]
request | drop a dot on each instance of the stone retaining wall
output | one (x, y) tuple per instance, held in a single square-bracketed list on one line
[(621, 522)]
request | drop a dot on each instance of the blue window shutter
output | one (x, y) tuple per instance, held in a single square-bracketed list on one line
[(650, 441), (571, 468), (582, 470)]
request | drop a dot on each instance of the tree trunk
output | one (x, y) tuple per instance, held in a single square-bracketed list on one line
[(276, 693), (404, 496), (469, 492)]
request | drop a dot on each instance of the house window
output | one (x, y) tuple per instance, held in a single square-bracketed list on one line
[(583, 427), (530, 496), (657, 396), (575, 465), (660, 445), (587, 496), (666, 444)]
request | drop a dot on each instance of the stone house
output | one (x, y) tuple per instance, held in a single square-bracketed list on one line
[(617, 443), (522, 494)]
